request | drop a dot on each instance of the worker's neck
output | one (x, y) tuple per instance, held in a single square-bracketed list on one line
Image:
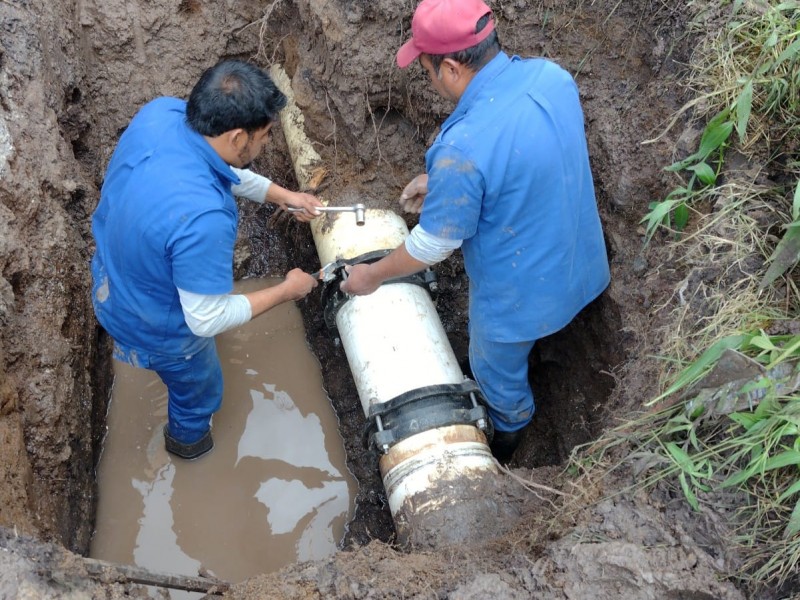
[(222, 146), (467, 75)]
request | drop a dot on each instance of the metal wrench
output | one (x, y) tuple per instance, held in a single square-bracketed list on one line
[(358, 209)]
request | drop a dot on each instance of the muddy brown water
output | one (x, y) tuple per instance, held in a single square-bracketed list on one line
[(275, 490)]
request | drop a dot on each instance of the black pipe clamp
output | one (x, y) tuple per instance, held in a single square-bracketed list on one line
[(333, 298), (423, 409)]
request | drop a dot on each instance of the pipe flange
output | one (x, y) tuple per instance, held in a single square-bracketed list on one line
[(423, 409), (333, 298)]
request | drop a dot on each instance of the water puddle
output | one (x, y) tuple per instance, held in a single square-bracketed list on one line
[(275, 490)]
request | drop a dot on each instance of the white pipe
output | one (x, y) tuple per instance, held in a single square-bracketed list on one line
[(393, 338), (395, 343)]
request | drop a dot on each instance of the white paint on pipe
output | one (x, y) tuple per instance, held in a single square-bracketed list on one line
[(338, 236), (393, 338), (304, 158), (443, 462), (395, 343)]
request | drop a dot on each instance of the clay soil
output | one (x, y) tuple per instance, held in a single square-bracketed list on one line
[(74, 73)]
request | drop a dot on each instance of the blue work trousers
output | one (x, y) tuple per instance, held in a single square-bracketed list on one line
[(194, 386), (501, 371)]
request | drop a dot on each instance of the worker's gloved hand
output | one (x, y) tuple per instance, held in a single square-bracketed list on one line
[(414, 194), (299, 283), (307, 202), (360, 280)]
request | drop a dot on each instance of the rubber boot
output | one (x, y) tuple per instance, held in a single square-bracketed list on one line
[(188, 451), (504, 443)]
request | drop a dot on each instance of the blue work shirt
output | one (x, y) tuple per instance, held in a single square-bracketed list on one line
[(166, 220), (509, 175)]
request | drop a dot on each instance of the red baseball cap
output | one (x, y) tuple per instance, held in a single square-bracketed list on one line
[(444, 26)]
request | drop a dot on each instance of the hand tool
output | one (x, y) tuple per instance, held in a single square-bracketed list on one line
[(358, 209), (328, 272)]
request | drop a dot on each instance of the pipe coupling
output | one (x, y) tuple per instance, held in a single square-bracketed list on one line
[(423, 409), (333, 298)]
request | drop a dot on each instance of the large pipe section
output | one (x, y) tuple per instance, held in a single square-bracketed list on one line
[(424, 416)]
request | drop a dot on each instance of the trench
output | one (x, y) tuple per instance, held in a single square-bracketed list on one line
[(565, 373), (569, 370)]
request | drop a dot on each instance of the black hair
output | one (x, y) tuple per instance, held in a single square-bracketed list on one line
[(233, 94), (475, 56)]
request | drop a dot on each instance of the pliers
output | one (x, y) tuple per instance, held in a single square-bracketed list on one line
[(328, 272)]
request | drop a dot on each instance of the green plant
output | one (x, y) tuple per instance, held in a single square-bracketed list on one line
[(787, 253), (675, 207), (754, 65), (735, 442), (745, 437)]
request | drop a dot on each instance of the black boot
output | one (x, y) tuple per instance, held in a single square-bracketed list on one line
[(504, 443), (188, 451)]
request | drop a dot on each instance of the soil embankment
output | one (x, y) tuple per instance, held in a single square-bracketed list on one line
[(73, 74)]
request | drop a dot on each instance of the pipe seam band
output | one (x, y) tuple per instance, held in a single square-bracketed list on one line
[(333, 298), (426, 408)]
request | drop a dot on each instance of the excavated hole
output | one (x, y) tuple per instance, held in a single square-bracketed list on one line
[(570, 371)]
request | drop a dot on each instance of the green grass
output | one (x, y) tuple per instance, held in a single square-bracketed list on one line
[(747, 79), (738, 438)]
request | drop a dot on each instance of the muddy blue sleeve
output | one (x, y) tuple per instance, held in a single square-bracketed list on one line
[(202, 254), (452, 207)]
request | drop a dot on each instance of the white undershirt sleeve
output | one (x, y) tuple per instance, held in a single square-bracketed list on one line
[(208, 315), (429, 248), (252, 186)]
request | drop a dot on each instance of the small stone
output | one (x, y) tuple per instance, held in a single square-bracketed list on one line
[(639, 264)]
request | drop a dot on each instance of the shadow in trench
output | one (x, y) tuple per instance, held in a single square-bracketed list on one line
[(569, 373)]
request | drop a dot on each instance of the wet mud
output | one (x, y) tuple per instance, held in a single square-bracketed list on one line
[(75, 73)]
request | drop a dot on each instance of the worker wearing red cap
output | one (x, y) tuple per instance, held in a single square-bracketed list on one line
[(508, 181)]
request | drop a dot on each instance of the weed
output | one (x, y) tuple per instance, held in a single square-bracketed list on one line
[(748, 77), (727, 421)]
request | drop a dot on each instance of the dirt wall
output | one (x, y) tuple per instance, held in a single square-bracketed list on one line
[(48, 342)]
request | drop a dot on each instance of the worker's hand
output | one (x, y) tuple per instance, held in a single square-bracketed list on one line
[(305, 201), (360, 280), (414, 194), (299, 283)]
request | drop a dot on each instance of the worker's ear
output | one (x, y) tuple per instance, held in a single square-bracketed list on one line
[(450, 70), (237, 138)]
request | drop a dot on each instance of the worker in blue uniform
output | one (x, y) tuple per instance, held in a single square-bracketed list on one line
[(508, 181), (165, 230)]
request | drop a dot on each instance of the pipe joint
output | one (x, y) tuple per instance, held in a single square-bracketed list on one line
[(333, 298), (423, 409)]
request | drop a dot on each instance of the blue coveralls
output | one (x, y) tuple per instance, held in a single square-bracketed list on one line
[(166, 220), (509, 175)]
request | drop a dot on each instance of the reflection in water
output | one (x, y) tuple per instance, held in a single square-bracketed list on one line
[(290, 501), (156, 543), (274, 428), (274, 490)]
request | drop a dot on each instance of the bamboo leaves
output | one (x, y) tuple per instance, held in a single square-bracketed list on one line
[(787, 252), (674, 209)]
